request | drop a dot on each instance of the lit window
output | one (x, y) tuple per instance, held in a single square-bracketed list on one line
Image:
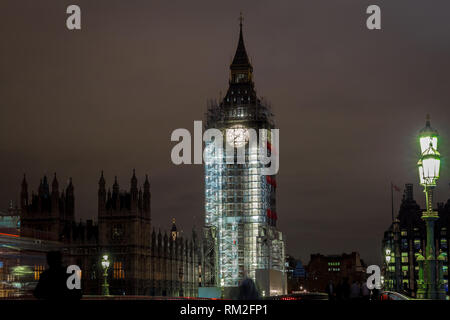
[(417, 244), (38, 269), (404, 257), (444, 243), (118, 272)]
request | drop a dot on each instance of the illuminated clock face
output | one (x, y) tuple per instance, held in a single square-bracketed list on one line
[(241, 77), (237, 136)]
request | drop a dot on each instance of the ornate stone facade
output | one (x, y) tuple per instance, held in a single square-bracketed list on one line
[(142, 261)]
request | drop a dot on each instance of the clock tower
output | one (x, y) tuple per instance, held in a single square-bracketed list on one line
[(240, 201)]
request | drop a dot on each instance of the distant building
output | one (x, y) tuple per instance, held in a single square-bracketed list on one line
[(10, 221), (299, 271), (296, 274), (325, 268), (406, 237)]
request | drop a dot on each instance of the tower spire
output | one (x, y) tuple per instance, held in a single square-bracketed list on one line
[(146, 196), (101, 182), (101, 194), (115, 186), (241, 69), (55, 184), (134, 182), (240, 57)]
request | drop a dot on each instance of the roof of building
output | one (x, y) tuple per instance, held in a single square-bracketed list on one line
[(240, 57)]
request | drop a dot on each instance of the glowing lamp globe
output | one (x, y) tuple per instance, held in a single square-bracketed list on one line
[(428, 136), (430, 160), (388, 255), (429, 166), (388, 259), (105, 262), (420, 165)]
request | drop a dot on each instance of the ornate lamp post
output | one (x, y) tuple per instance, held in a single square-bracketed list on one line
[(388, 259), (429, 164), (105, 285)]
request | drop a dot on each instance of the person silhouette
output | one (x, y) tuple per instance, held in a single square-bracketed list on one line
[(345, 289), (330, 290), (52, 283), (248, 290)]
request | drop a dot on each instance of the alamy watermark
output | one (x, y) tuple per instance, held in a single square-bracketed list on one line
[(74, 280), (374, 280), (238, 140)]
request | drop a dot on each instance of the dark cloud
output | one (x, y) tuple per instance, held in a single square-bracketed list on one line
[(348, 102)]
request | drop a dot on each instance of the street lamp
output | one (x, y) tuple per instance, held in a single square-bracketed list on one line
[(429, 165), (388, 255), (388, 259), (105, 285)]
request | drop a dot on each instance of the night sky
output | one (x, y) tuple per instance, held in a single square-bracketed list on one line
[(349, 103)]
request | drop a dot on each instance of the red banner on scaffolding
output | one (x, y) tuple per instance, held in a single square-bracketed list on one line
[(272, 181), (272, 214)]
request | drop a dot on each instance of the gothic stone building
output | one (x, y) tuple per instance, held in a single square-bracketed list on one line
[(46, 215), (142, 261)]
